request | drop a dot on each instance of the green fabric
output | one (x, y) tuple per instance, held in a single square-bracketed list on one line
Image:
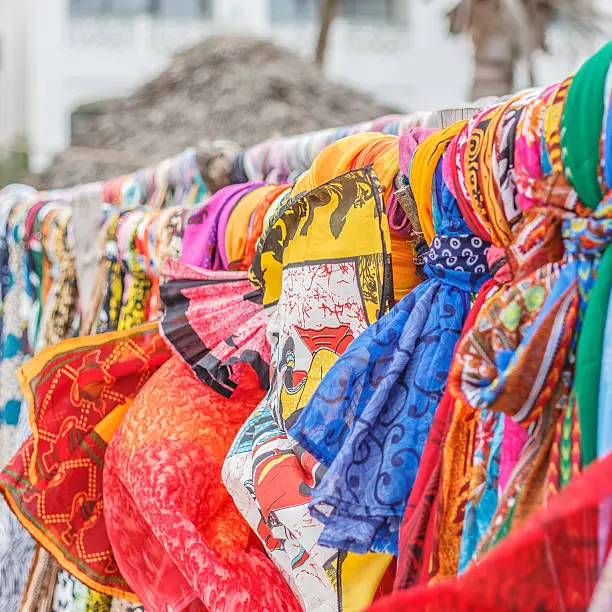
[(506, 526), (581, 127), (565, 445), (589, 356)]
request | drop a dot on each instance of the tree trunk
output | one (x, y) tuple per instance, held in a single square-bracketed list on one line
[(328, 11), (494, 64), (495, 54)]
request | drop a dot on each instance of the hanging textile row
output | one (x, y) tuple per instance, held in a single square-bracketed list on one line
[(139, 222), (381, 381)]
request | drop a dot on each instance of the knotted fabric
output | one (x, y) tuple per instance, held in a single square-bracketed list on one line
[(368, 421), (519, 357)]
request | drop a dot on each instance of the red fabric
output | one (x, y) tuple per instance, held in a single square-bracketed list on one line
[(417, 532), (162, 472), (550, 563), (54, 482)]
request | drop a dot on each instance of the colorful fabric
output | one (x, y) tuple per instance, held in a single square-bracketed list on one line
[(202, 230), (591, 234), (513, 442), (581, 126), (422, 171), (382, 393), (215, 322), (544, 576), (78, 392), (353, 153), (284, 159), (246, 224), (484, 485), (442, 480), (589, 356), (193, 545), (59, 316), (15, 543), (453, 171), (324, 271)]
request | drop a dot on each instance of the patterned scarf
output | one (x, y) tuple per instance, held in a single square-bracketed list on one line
[(369, 429)]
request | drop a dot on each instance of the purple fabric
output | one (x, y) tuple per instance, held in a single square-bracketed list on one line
[(398, 219), (200, 238), (221, 260), (408, 143)]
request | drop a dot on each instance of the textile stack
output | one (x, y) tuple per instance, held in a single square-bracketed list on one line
[(371, 371)]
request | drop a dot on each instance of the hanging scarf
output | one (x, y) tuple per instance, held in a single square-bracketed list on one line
[(417, 528), (544, 576), (202, 231), (587, 138), (54, 482), (538, 314), (361, 499), (322, 264)]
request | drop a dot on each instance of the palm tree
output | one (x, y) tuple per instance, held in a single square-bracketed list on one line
[(507, 32), (328, 10)]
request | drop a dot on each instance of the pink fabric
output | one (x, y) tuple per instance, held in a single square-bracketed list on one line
[(528, 147), (398, 219), (408, 143), (513, 441), (202, 228), (496, 254)]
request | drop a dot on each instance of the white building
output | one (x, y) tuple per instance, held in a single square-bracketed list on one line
[(59, 54), (12, 72)]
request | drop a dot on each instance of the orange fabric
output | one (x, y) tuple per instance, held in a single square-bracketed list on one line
[(257, 223), (422, 171), (339, 157), (383, 156), (405, 278), (240, 225)]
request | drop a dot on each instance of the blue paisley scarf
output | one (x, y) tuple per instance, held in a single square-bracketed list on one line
[(369, 419)]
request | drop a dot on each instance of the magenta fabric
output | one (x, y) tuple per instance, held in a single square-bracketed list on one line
[(398, 219), (220, 261), (408, 143), (513, 441), (202, 229)]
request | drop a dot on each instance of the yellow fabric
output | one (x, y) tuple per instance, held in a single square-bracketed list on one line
[(315, 242), (311, 230), (361, 577), (107, 427), (237, 230), (424, 163)]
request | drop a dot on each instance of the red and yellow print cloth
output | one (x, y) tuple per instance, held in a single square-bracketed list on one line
[(78, 392)]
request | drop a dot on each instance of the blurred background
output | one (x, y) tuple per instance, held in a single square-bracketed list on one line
[(93, 88)]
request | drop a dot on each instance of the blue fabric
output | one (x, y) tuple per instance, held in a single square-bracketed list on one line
[(484, 496), (604, 419), (368, 421), (608, 142), (546, 165)]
